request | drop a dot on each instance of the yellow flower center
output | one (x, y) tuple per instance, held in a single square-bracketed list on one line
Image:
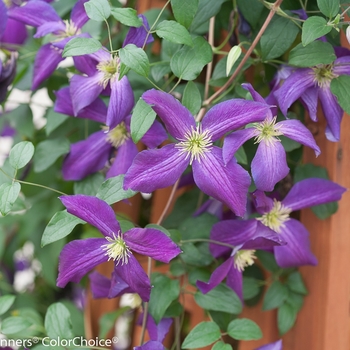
[(323, 75), (244, 258), (109, 69), (118, 135), (117, 249), (268, 131), (71, 29)]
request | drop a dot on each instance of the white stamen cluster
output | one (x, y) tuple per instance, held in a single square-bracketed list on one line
[(109, 69), (118, 135), (268, 131), (323, 75), (117, 250), (244, 258), (70, 30)]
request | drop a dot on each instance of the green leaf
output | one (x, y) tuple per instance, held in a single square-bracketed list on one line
[(232, 57), (60, 226), (275, 296), (8, 196), (15, 324), (296, 284), (192, 255), (317, 52), (205, 333), (165, 290), (127, 16), (142, 118), (58, 322), (184, 11), (81, 46), (188, 62), (90, 185), (286, 316), (192, 98), (278, 37), (251, 287), (21, 154), (313, 28), (221, 346), (253, 17), (107, 321), (241, 156), (174, 32), (54, 120), (135, 58), (329, 8), (98, 10), (267, 260), (221, 298), (244, 329), (340, 87), (111, 191), (6, 301), (197, 227), (159, 70), (48, 151)]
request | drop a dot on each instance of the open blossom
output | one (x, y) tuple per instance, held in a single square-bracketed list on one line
[(153, 169), (272, 346), (276, 216), (269, 164), (80, 256)]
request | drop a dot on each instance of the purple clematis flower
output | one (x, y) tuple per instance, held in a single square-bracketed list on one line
[(272, 346), (245, 237), (153, 169), (276, 216), (311, 84), (269, 164), (80, 256)]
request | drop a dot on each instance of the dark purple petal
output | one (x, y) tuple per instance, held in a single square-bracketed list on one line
[(297, 252), (157, 332), (342, 65), (78, 257), (15, 33), (272, 346), (235, 140), (100, 285), (120, 103), (118, 285), (235, 281), (78, 15), (150, 345), (154, 169), (313, 191), (216, 277), (152, 243), (50, 27), (297, 131), (263, 204), (3, 17), (155, 135), (293, 87), (309, 99), (86, 157), (94, 211), (46, 62), (177, 118), (256, 96), (269, 165), (85, 64), (228, 184), (137, 36)]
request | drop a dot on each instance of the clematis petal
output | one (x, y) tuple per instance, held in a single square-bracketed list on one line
[(86, 157), (155, 135), (216, 277), (152, 243), (233, 114), (235, 140), (263, 204), (49, 27), (269, 165), (235, 281), (151, 345), (293, 87), (15, 33), (297, 131), (332, 112), (85, 64), (313, 191), (154, 169), (100, 285), (228, 184), (310, 99), (118, 286), (272, 346), (94, 211), (137, 36), (177, 118), (3, 17), (162, 329), (341, 65), (256, 96), (297, 252), (120, 103), (78, 15), (78, 257)]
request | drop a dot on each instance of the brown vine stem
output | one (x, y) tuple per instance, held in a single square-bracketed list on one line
[(273, 10)]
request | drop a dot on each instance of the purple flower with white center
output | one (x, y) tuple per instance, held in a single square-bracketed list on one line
[(91, 155), (311, 85), (153, 169), (245, 237), (80, 256), (276, 216), (272, 346), (269, 164)]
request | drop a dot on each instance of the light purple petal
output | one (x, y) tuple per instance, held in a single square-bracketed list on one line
[(50, 27), (78, 15), (228, 184), (15, 33), (177, 118), (342, 65), (235, 281), (152, 243), (86, 157), (293, 87), (313, 191), (309, 99), (297, 131), (150, 345), (100, 285), (94, 211), (154, 169), (137, 36), (256, 96), (297, 252), (3, 17), (155, 135), (85, 64), (157, 332), (233, 114), (272, 346), (118, 285), (262, 203), (78, 257), (269, 165)]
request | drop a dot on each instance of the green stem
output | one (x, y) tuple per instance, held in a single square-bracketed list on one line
[(154, 84), (109, 36), (174, 87)]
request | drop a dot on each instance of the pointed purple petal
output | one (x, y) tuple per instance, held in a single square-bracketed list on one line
[(256, 96), (94, 211), (151, 345), (154, 169), (272, 346), (293, 87), (263, 204), (162, 328), (152, 243), (269, 165), (155, 135), (78, 257), (235, 281), (177, 118), (100, 285), (341, 65), (3, 17), (86, 157), (313, 191), (310, 100), (78, 15), (297, 252), (118, 286), (228, 184), (85, 64), (137, 36), (297, 131), (50, 27), (15, 33)]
